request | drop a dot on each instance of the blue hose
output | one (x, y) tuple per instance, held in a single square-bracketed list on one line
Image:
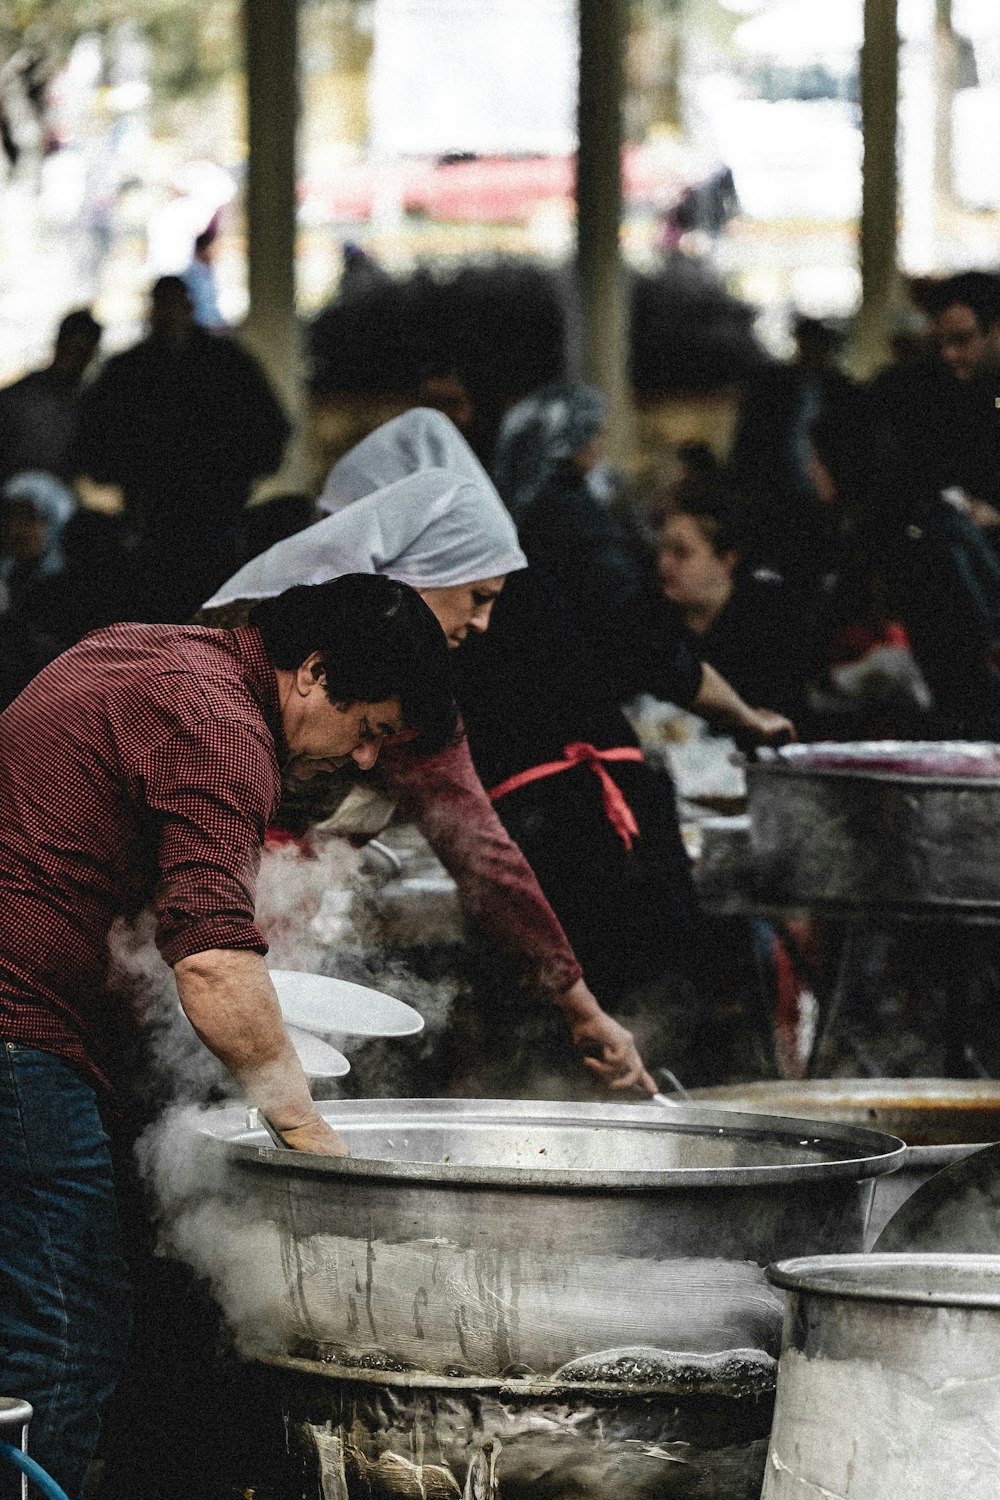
[(34, 1471)]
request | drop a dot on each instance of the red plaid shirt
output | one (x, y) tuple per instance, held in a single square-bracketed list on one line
[(140, 766)]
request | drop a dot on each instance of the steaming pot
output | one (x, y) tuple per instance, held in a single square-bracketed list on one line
[(555, 1289), (941, 1120), (868, 827), (888, 1383)]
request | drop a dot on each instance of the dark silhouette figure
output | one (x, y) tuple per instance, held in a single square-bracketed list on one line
[(184, 422)]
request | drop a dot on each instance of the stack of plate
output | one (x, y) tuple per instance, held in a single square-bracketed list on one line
[(323, 1015)]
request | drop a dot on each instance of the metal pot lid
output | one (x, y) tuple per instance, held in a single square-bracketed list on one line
[(918, 759), (936, 1280), (577, 1147)]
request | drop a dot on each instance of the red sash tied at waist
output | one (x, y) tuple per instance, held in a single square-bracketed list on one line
[(616, 809)]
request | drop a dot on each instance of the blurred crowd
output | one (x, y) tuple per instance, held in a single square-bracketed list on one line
[(840, 563)]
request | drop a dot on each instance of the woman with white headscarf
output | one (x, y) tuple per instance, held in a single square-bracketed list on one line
[(446, 533)]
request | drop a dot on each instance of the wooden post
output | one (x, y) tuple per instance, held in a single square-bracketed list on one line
[(945, 80), (879, 108), (271, 330), (601, 281)]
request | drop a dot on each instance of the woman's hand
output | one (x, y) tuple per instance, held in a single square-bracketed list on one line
[(608, 1049), (762, 726), (720, 704)]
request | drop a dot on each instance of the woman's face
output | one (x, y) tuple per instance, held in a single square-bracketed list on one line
[(693, 574), (462, 607), (25, 532)]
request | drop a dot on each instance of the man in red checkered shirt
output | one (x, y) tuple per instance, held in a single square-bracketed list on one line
[(141, 767)]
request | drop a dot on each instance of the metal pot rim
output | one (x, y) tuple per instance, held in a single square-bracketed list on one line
[(843, 1276), (871, 1153)]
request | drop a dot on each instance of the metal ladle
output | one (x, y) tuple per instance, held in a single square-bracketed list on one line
[(663, 1100)]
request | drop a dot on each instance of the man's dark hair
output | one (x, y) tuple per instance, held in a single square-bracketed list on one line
[(978, 290), (378, 640)]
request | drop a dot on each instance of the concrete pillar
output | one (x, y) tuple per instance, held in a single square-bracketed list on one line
[(271, 331), (601, 282), (880, 186), (946, 78)]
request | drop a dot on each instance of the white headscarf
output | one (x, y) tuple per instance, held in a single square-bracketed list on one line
[(419, 439), (433, 529)]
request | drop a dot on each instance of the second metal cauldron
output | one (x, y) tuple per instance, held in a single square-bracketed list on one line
[(848, 835), (888, 1384)]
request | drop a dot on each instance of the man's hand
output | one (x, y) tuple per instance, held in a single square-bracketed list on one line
[(609, 1050), (314, 1135)]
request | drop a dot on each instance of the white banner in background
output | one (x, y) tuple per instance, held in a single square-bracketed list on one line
[(494, 77)]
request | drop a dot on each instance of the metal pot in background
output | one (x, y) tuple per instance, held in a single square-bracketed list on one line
[(888, 1382), (854, 836), (579, 1288), (941, 1120)]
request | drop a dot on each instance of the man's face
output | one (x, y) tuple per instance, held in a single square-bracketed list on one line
[(322, 736), (965, 348), (462, 607)]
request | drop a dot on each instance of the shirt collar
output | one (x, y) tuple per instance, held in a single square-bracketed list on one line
[(261, 681)]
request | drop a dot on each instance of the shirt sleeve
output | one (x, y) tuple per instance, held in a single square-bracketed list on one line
[(445, 798), (209, 791)]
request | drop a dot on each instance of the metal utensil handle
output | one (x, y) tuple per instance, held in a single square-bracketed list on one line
[(257, 1120), (666, 1076)]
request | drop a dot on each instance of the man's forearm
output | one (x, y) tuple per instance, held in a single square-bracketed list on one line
[(228, 997)]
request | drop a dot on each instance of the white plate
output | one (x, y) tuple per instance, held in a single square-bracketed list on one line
[(318, 1058), (335, 1007)]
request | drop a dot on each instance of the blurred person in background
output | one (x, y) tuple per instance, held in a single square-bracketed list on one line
[(39, 413), (929, 485), (184, 422), (770, 464), (95, 586), (550, 470), (200, 280), (34, 511), (753, 630)]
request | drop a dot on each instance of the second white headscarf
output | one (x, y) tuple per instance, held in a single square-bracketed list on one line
[(432, 529), (418, 439)]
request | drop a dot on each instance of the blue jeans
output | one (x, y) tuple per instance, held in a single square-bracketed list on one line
[(64, 1295)]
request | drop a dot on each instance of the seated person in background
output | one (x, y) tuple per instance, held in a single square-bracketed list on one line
[(548, 467), (97, 584), (749, 626), (35, 508), (39, 413)]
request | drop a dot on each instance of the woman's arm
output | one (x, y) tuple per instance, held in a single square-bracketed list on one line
[(445, 798)]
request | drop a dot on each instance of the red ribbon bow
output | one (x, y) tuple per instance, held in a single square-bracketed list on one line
[(579, 753)]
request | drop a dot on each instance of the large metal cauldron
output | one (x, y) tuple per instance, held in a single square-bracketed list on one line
[(855, 836), (888, 1385), (941, 1120), (525, 1291)]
